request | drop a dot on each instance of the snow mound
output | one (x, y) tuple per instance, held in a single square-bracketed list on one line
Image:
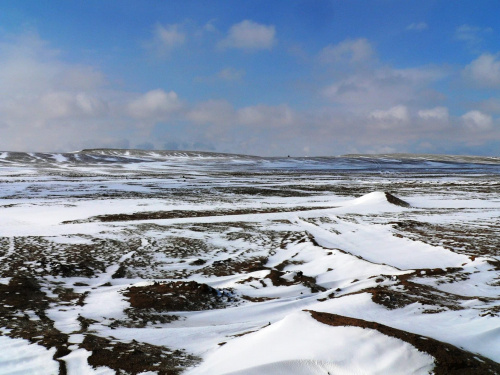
[(378, 197), (297, 367), (298, 344)]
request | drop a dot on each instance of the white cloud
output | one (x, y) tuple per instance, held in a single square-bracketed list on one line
[(48, 104), (437, 113), (420, 26), (361, 84), (231, 74), (356, 50), (365, 90), (484, 71), (41, 91), (69, 105), (395, 115), (476, 120), (154, 105), (29, 64), (164, 39), (169, 36), (250, 36)]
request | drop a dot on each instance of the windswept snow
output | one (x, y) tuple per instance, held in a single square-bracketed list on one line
[(205, 263), (299, 342), (19, 357)]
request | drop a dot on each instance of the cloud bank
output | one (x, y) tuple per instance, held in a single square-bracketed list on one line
[(361, 104)]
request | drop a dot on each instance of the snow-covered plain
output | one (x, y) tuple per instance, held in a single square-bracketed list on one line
[(181, 262)]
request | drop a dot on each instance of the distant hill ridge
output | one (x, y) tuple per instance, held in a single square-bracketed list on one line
[(110, 155), (430, 157), (178, 153)]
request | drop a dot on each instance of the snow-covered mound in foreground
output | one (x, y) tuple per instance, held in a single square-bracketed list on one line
[(298, 344)]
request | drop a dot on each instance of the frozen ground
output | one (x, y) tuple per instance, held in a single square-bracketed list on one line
[(139, 262)]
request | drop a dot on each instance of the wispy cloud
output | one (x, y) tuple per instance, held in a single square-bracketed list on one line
[(228, 75), (372, 87), (351, 50), (250, 36), (397, 115), (231, 74), (266, 116), (472, 36), (165, 38), (437, 113), (419, 26)]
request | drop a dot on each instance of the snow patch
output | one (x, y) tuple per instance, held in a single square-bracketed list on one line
[(19, 357)]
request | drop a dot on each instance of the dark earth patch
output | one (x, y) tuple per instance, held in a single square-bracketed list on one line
[(135, 357), (178, 214), (396, 201), (473, 239), (449, 360), (178, 296), (277, 279), (22, 311), (236, 266)]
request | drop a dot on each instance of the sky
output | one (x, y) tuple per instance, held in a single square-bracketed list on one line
[(269, 78)]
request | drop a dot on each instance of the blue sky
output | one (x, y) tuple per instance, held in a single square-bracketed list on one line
[(258, 77)]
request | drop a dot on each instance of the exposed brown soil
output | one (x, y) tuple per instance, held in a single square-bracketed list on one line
[(231, 266), (140, 318), (258, 299), (449, 360), (495, 263), (178, 214), (395, 200), (177, 296), (41, 257), (472, 239), (406, 292), (288, 262), (23, 295), (134, 358), (395, 299), (69, 295), (181, 247), (292, 237), (198, 262), (491, 311), (299, 278), (277, 191)]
